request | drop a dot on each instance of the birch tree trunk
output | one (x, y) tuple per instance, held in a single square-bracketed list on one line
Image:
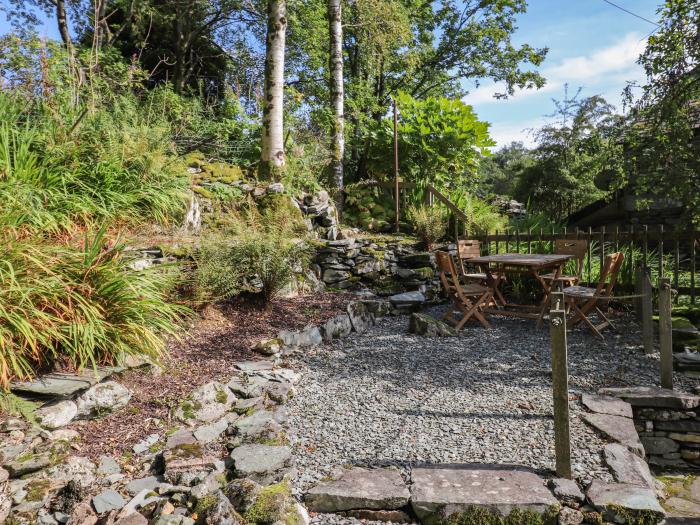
[(335, 30), (273, 158), (62, 20)]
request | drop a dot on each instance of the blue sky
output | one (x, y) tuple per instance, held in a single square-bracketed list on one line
[(591, 44)]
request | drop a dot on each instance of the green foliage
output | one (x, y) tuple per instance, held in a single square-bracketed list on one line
[(661, 140), (439, 142), (369, 207), (271, 506), (572, 153), (261, 255), (499, 172), (429, 223), (484, 516), (78, 307), (16, 406), (483, 217)]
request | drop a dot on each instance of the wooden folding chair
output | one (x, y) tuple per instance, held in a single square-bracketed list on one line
[(577, 248), (467, 299), (467, 249), (584, 301)]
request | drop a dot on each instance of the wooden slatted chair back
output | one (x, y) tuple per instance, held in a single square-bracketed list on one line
[(576, 247), (609, 273), (466, 249), (446, 267)]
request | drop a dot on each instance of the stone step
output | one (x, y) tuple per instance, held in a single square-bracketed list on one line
[(64, 385), (653, 397), (444, 491)]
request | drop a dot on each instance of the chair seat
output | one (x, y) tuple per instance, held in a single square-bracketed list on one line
[(470, 289), (552, 276), (475, 276), (579, 291)]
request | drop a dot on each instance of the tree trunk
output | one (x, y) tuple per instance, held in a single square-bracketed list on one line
[(272, 160), (335, 30), (62, 20)]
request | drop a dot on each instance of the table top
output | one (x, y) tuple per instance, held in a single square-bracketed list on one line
[(533, 260)]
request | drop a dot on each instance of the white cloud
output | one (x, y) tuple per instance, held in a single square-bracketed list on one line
[(615, 63), (506, 132)]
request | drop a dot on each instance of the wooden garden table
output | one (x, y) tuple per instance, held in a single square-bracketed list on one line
[(497, 266)]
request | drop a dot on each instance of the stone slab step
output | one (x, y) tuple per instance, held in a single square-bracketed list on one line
[(64, 385), (629, 502), (653, 397), (620, 429), (440, 492), (359, 489)]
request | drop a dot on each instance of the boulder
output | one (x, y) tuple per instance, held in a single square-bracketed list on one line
[(243, 493), (191, 458), (27, 463), (309, 336), (606, 405), (624, 503), (377, 307), (56, 415), (268, 347), (627, 467), (360, 317), (102, 399), (219, 512), (441, 492), (263, 464), (357, 488), (336, 327), (654, 397), (428, 326), (258, 426), (207, 403), (331, 276), (620, 429), (407, 299)]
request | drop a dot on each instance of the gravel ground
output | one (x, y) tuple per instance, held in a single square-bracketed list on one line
[(392, 398)]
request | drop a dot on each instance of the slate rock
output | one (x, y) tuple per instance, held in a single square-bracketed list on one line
[(407, 299), (220, 512), (108, 500), (186, 458), (358, 488), (243, 493), (268, 347), (660, 445), (207, 403), (331, 276), (437, 493), (569, 516), (308, 337), (377, 307), (336, 327), (149, 483), (263, 464), (254, 366), (627, 467), (102, 399), (635, 500), (620, 429), (145, 444), (606, 405), (64, 385), (678, 426), (27, 463), (260, 425), (134, 518), (428, 326), (107, 466), (360, 317), (566, 491), (181, 437), (211, 432), (173, 519), (654, 397), (417, 260), (56, 415)]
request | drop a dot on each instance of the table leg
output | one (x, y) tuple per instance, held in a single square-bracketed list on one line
[(547, 291)]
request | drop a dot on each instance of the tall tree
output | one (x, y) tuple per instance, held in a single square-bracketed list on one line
[(273, 160), (335, 31), (23, 13), (663, 140)]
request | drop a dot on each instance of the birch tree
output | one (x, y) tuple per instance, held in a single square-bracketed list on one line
[(272, 160), (335, 31)]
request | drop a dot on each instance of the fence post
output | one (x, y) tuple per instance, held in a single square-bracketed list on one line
[(647, 310), (560, 385), (665, 333)]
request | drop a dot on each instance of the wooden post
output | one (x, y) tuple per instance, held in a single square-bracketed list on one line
[(560, 385), (396, 165), (665, 334), (647, 311)]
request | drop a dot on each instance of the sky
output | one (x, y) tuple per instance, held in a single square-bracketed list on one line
[(592, 45)]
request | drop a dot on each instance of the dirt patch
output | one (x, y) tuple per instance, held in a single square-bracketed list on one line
[(207, 351)]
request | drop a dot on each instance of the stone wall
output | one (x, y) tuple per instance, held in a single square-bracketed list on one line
[(668, 423), (387, 265)]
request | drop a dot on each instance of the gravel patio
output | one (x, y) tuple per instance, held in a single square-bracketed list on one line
[(388, 397)]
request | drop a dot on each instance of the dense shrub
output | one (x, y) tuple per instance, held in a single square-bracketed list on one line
[(429, 223), (78, 308)]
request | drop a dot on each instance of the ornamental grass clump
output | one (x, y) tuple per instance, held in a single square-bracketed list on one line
[(76, 308), (429, 224)]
